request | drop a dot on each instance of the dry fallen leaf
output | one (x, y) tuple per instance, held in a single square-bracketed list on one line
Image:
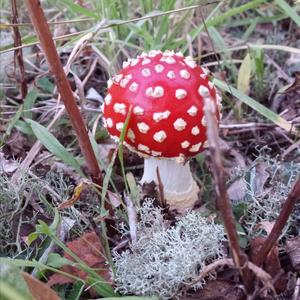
[(38, 289), (89, 249), (75, 197)]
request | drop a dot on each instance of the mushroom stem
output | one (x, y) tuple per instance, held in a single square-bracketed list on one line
[(180, 188)]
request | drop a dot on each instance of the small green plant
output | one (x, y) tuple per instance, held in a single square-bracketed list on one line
[(164, 258)]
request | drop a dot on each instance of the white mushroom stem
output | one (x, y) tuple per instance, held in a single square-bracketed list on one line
[(179, 186)]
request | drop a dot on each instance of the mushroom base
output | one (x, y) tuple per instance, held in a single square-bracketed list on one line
[(180, 189)]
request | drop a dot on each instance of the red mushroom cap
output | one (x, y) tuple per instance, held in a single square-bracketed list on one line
[(166, 93)]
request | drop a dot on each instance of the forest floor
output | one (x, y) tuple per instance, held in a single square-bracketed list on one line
[(65, 237)]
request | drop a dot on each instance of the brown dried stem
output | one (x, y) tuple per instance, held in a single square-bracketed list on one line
[(18, 53), (262, 275), (223, 202), (287, 208), (46, 41)]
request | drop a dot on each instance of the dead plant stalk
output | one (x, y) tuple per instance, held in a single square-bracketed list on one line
[(41, 27), (18, 51), (223, 202)]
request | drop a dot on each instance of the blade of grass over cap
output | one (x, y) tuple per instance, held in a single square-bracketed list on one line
[(269, 114), (120, 152)]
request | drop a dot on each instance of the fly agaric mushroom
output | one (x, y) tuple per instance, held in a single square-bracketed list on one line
[(166, 92)]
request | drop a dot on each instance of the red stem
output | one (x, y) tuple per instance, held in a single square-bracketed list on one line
[(41, 27), (223, 201)]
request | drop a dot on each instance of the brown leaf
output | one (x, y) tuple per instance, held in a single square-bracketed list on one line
[(75, 197), (38, 289), (90, 250)]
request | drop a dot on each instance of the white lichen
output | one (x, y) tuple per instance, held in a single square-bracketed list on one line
[(268, 181), (164, 259)]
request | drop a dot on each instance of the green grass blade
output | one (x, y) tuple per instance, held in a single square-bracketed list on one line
[(23, 263), (290, 11), (195, 32), (163, 24), (235, 11), (100, 162), (29, 103), (10, 293), (269, 114), (50, 142), (24, 127), (139, 30), (213, 20), (13, 121), (79, 10), (120, 152), (244, 75)]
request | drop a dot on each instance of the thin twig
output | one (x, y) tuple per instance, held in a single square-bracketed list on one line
[(250, 125), (287, 208), (224, 205), (132, 217), (42, 30), (57, 38), (4, 25), (18, 53), (262, 275)]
